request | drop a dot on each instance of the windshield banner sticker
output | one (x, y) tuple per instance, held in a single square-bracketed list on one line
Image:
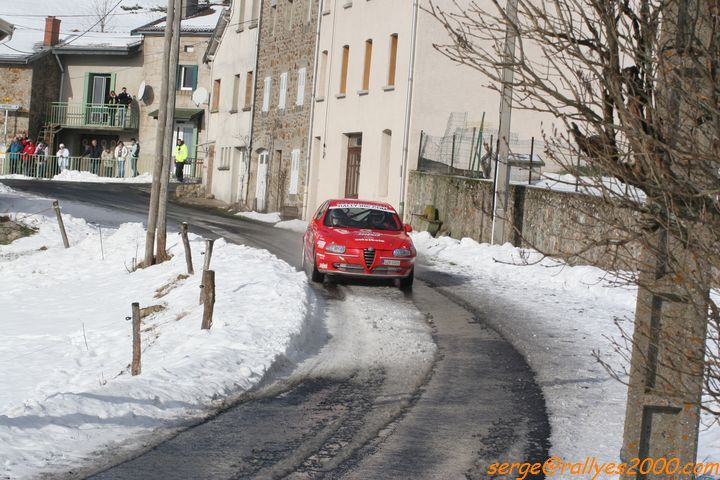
[(363, 205)]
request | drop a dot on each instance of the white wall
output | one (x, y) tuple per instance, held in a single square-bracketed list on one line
[(229, 126)]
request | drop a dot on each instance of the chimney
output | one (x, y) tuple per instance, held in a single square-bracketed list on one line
[(189, 8), (52, 31)]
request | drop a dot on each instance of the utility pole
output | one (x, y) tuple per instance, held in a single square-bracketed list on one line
[(502, 175), (165, 88), (668, 347), (161, 240)]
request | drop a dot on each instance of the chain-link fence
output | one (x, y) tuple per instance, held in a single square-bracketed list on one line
[(472, 152)]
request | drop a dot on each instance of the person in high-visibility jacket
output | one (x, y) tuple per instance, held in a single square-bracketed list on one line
[(181, 154)]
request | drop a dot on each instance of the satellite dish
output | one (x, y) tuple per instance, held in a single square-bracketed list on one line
[(141, 90), (200, 96)]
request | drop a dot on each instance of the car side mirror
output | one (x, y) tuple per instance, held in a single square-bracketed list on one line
[(408, 228)]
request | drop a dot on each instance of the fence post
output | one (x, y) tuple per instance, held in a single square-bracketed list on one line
[(472, 151), (186, 244), (208, 287), (206, 266), (532, 150), (56, 206), (136, 360), (452, 155)]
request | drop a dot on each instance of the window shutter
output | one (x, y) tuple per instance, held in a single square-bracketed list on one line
[(294, 172), (266, 94), (86, 89), (194, 76), (178, 77), (283, 91), (301, 87)]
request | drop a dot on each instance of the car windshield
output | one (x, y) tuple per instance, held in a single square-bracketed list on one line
[(362, 218)]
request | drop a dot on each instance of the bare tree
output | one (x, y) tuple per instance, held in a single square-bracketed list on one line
[(101, 11), (634, 87)]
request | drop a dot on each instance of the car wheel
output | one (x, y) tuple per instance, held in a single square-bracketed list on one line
[(315, 274), (407, 282)]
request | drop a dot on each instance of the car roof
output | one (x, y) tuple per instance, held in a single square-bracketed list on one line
[(354, 203)]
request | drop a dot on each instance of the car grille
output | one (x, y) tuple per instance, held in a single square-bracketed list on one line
[(369, 257)]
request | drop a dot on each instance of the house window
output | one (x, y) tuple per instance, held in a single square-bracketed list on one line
[(249, 86), (323, 73), (241, 16), (366, 69), (300, 100), (215, 95), (188, 48), (294, 171), (344, 69), (266, 94), (187, 77), (236, 93), (310, 10), (393, 59), (384, 170), (255, 11), (283, 91)]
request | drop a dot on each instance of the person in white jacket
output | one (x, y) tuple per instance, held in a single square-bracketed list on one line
[(63, 157), (121, 154)]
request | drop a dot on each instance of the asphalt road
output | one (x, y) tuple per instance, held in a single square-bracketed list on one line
[(361, 398)]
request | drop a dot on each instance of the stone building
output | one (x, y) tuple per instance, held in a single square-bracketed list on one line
[(29, 81), (281, 119)]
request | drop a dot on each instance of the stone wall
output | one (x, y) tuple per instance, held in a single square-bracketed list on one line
[(562, 224), (15, 85), (287, 43), (45, 90)]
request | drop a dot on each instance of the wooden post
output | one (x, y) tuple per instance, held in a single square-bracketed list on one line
[(56, 206), (206, 265), (135, 370), (208, 287), (186, 244)]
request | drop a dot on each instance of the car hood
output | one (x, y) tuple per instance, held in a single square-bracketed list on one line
[(356, 238)]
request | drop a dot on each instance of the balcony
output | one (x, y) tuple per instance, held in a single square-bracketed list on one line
[(93, 116)]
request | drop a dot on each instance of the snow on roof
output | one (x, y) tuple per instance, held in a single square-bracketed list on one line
[(205, 20), (79, 27)]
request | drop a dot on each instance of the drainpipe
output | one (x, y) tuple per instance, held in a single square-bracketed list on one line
[(306, 193), (252, 105), (62, 77), (408, 111)]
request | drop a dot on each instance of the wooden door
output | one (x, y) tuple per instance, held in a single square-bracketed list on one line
[(352, 175)]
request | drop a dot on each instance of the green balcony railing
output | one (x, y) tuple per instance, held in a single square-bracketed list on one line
[(93, 115)]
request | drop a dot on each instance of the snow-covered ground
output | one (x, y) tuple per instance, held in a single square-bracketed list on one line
[(77, 176), (294, 225), (66, 344), (590, 186), (272, 217), (557, 316)]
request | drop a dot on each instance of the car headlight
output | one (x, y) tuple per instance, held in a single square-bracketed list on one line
[(402, 252), (335, 248)]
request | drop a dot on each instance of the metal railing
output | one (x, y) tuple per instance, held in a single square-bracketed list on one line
[(42, 166), (93, 115)]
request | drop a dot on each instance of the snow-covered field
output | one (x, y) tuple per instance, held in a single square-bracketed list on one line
[(557, 316), (66, 344)]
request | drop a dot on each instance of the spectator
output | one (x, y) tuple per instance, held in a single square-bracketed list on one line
[(134, 154), (181, 154), (16, 148), (93, 153), (63, 157), (108, 161), (28, 157), (124, 100), (41, 153), (112, 106), (121, 154)]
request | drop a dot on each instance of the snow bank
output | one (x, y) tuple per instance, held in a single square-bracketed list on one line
[(66, 344), (77, 176), (273, 217), (589, 185), (294, 225), (5, 189)]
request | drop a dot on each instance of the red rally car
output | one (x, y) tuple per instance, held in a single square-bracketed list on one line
[(360, 239)]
